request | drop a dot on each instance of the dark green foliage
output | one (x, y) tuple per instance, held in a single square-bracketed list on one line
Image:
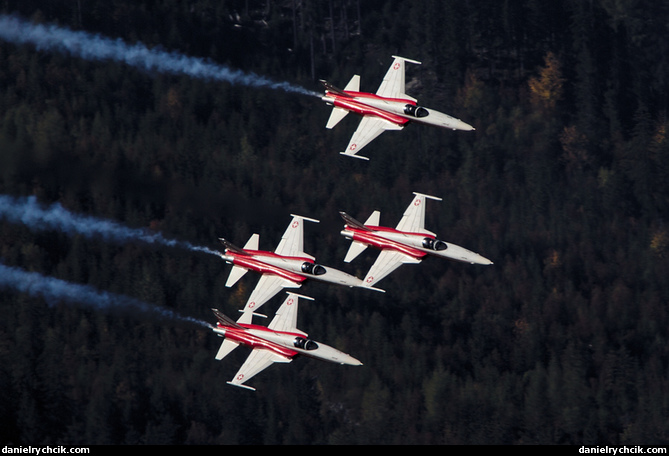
[(563, 340)]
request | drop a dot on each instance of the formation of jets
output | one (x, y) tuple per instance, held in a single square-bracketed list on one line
[(288, 266), (390, 108)]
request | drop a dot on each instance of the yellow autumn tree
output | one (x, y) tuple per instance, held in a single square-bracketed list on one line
[(546, 88)]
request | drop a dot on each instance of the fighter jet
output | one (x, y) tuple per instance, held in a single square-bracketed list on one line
[(408, 243), (287, 267), (279, 342), (389, 109)]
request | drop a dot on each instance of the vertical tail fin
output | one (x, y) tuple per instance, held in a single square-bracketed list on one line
[(350, 221), (338, 114), (231, 247), (224, 320)]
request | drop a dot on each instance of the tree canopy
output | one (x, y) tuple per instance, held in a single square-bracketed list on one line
[(564, 185)]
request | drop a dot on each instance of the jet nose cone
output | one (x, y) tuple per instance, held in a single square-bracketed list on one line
[(476, 259), (460, 125), (456, 252), (349, 360), (341, 277)]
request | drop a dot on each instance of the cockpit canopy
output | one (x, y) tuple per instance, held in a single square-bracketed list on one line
[(305, 344), (312, 268), (416, 111), (434, 244)]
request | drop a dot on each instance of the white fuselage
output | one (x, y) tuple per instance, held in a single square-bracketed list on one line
[(431, 117), (296, 269), (395, 110), (285, 343), (416, 245)]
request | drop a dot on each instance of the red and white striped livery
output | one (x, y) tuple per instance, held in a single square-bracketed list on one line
[(408, 243), (287, 267), (279, 342), (388, 109)]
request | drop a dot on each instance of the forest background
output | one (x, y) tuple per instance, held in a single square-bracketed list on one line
[(564, 185)]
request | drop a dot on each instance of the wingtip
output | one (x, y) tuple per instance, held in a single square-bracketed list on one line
[(354, 156), (369, 287), (241, 386)]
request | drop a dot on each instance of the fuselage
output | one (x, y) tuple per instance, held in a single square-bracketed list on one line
[(295, 269), (399, 111), (286, 344), (416, 245)]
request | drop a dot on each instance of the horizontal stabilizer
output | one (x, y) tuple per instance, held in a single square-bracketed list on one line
[(354, 250), (253, 242), (373, 219), (353, 85), (235, 274), (226, 347), (336, 115)]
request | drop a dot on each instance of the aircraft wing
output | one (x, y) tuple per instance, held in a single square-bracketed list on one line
[(268, 286), (394, 81), (370, 128), (387, 261), (413, 220), (257, 361), (292, 242), (286, 317)]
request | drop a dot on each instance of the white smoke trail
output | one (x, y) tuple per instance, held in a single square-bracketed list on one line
[(55, 291), (95, 47), (28, 211)]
